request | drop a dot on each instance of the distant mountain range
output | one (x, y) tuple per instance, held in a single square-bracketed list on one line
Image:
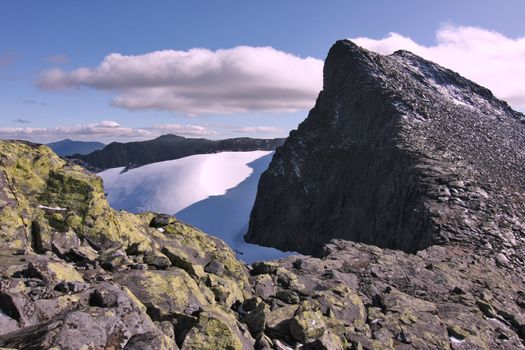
[(167, 147), (69, 147)]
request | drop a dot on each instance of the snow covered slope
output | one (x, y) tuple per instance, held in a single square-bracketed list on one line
[(213, 192)]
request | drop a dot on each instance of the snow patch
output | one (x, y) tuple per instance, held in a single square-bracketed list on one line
[(213, 192), (40, 206), (173, 185), (456, 340)]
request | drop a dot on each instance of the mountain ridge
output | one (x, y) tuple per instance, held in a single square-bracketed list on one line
[(68, 147), (167, 147), (398, 152)]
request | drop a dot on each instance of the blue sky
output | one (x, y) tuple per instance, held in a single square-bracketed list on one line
[(64, 35)]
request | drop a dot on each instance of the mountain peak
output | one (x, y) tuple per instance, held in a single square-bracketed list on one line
[(398, 152), (170, 137)]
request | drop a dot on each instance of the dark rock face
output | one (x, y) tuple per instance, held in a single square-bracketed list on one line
[(167, 147), (397, 152)]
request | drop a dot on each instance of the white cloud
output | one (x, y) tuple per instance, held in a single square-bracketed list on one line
[(486, 57), (263, 130), (200, 81), (103, 131), (183, 130), (108, 131)]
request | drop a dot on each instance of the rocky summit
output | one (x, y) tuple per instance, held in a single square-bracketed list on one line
[(398, 152), (404, 154), (401, 153)]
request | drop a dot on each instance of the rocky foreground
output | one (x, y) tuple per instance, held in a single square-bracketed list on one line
[(76, 274)]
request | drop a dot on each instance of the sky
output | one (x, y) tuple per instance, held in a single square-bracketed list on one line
[(109, 70)]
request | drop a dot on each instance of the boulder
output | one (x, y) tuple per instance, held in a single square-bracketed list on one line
[(214, 267), (166, 294), (150, 341), (307, 325), (63, 242), (278, 323), (113, 260), (211, 333), (157, 260), (160, 220)]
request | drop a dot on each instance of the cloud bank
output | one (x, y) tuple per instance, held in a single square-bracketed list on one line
[(263, 130), (486, 57), (262, 79), (108, 131), (200, 81)]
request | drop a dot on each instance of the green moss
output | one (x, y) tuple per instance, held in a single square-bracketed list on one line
[(226, 291), (211, 333), (66, 190), (307, 325), (13, 232), (74, 221), (64, 272), (166, 291)]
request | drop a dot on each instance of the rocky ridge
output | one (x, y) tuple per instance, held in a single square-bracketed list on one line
[(401, 153)]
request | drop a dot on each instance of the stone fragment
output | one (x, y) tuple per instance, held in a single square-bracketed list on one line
[(158, 260), (263, 267), (264, 286), (307, 325), (63, 242), (211, 333), (328, 341), (160, 220), (150, 340), (103, 297), (278, 323), (214, 267)]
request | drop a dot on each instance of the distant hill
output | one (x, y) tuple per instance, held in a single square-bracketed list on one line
[(69, 147), (168, 147)]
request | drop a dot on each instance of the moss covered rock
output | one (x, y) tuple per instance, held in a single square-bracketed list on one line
[(307, 325), (211, 333), (166, 293)]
